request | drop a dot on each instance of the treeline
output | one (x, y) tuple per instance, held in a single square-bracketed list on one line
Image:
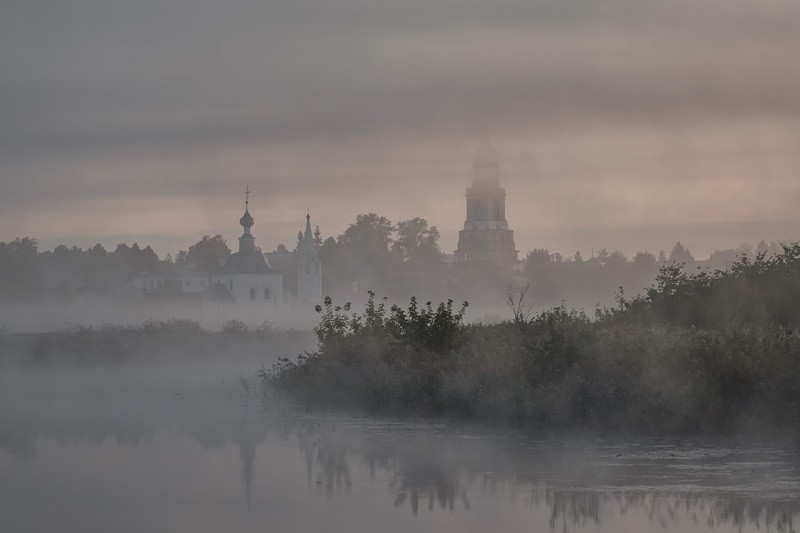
[(580, 281), (697, 353), (372, 253)]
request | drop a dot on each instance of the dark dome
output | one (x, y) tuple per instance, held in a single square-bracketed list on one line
[(246, 220)]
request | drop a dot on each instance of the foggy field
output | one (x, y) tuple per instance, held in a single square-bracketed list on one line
[(153, 341)]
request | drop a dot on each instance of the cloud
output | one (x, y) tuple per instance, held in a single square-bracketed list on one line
[(612, 113)]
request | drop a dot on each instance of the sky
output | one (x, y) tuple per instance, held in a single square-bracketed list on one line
[(620, 124)]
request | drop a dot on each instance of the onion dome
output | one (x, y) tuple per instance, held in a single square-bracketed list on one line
[(247, 220)]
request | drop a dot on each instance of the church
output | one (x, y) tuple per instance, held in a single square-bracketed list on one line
[(246, 274), (245, 278), (486, 236)]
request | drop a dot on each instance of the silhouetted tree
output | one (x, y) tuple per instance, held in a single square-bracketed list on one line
[(681, 254), (417, 243), (19, 268), (208, 251), (317, 238)]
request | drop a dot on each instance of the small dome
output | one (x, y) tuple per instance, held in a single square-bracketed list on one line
[(246, 220)]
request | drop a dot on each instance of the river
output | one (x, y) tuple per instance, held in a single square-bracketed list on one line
[(195, 447)]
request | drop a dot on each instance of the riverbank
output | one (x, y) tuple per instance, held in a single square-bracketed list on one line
[(701, 353)]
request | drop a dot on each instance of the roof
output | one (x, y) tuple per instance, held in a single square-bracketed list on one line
[(246, 262)]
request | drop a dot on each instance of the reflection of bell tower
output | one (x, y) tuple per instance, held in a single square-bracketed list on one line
[(486, 236)]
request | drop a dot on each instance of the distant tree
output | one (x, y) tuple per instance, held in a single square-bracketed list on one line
[(329, 252), (537, 258), (282, 249), (208, 251), (615, 259), (745, 250), (762, 247), (370, 234), (602, 256), (681, 254), (147, 260), (417, 243), (662, 257), (299, 241), (722, 259), (337, 265), (578, 257), (181, 258), (19, 268), (540, 269), (644, 260), (317, 238)]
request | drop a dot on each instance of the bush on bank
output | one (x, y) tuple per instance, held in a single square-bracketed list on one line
[(701, 352)]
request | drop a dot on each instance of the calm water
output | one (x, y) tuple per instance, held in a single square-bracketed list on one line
[(182, 448)]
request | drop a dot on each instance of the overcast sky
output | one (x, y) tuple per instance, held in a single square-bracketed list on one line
[(620, 124)]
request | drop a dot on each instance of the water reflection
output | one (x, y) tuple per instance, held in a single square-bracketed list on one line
[(438, 468), (418, 470)]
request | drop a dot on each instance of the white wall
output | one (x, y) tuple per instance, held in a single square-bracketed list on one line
[(240, 285)]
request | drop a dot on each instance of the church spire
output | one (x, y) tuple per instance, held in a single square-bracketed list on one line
[(309, 235), (309, 269), (246, 241), (247, 219)]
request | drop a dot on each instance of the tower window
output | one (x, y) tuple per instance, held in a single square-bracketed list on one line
[(230, 285), (252, 294), (266, 293)]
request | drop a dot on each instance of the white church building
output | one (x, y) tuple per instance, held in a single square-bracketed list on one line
[(246, 274), (245, 279)]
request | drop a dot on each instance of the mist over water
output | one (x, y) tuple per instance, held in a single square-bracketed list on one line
[(178, 445)]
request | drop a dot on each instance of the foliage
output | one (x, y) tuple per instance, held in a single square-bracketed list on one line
[(417, 243), (703, 352), (207, 252)]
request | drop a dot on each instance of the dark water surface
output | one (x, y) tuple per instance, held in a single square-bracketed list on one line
[(183, 448)]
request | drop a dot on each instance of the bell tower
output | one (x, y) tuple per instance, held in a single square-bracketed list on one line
[(486, 236), (309, 269)]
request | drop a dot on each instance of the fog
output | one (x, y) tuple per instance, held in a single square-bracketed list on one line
[(610, 188)]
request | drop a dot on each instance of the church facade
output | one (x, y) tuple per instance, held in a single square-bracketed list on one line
[(486, 236)]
